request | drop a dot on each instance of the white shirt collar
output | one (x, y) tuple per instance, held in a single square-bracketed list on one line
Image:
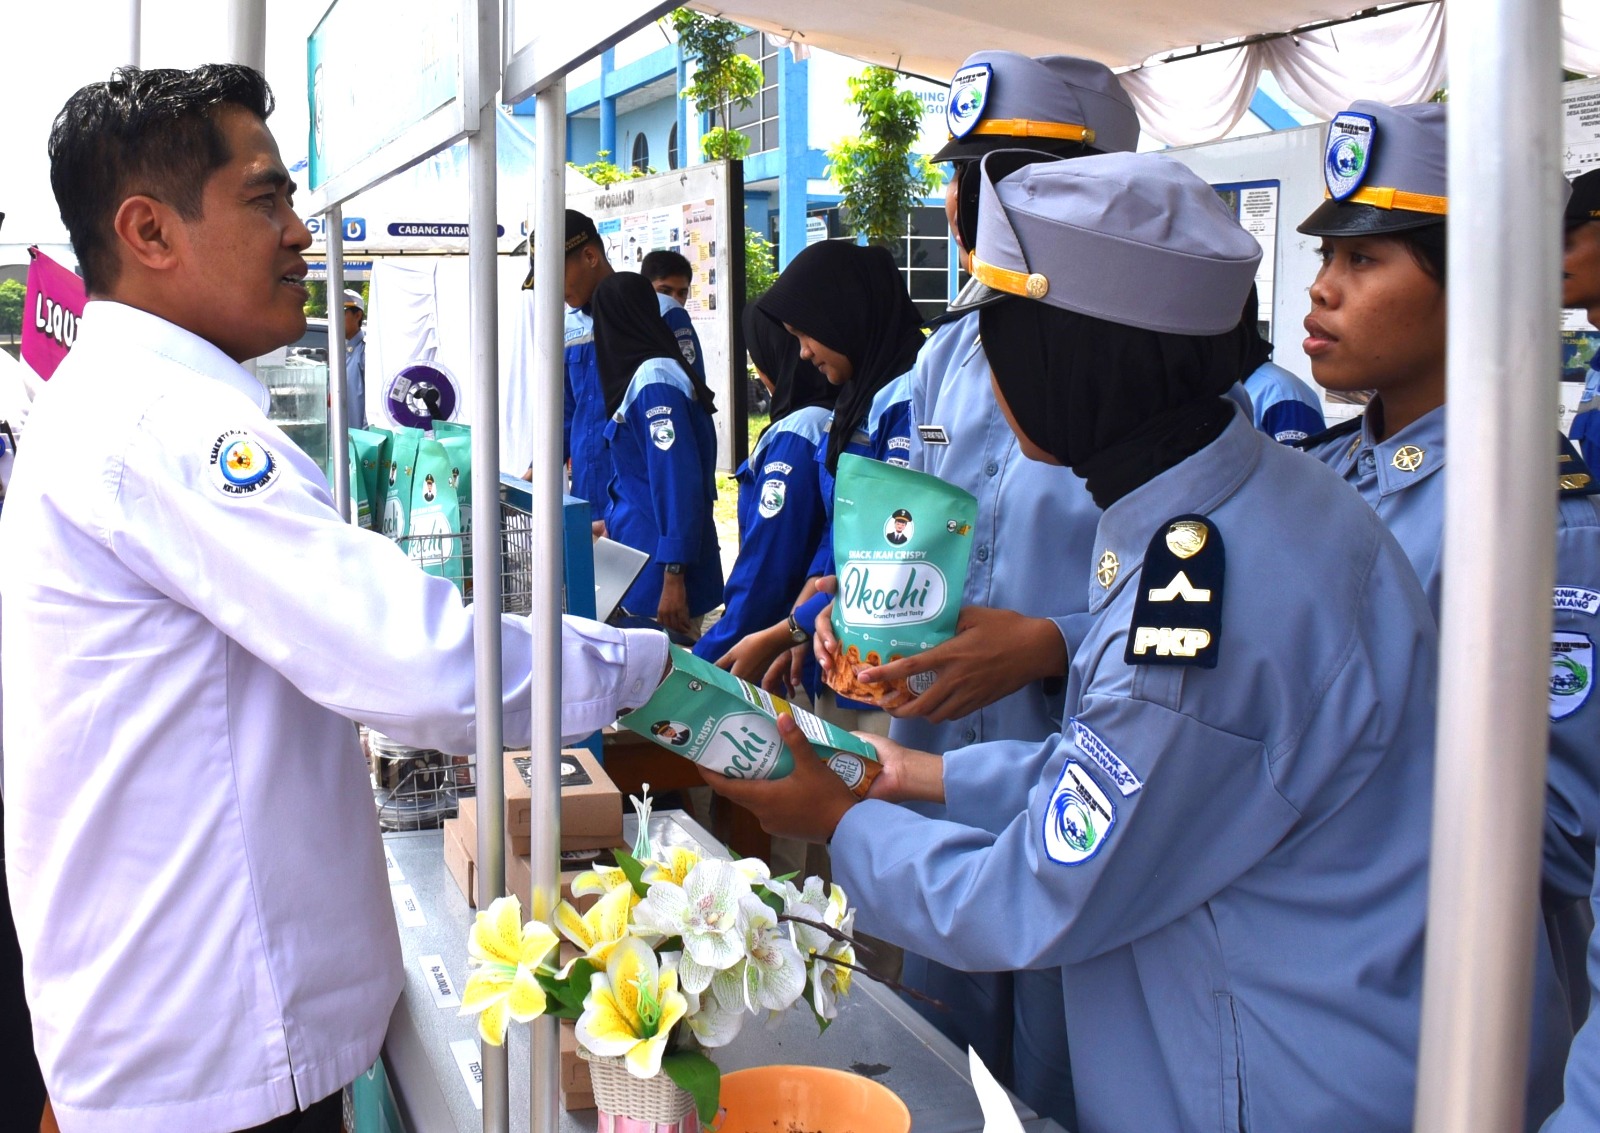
[(122, 326)]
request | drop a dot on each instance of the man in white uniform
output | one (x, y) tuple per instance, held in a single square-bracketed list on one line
[(189, 631)]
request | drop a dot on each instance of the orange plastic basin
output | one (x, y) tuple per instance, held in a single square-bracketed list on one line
[(808, 1099)]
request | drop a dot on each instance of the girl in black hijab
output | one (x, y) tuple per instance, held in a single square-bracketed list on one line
[(793, 382), (663, 449), (850, 301)]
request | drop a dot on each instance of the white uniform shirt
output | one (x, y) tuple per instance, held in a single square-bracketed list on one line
[(189, 630)]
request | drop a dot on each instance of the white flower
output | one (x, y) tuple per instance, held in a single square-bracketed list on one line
[(706, 914), (812, 905), (829, 982), (773, 974), (712, 1022)]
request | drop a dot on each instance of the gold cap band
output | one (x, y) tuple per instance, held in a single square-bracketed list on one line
[(1397, 199), (1027, 128), (1034, 285)]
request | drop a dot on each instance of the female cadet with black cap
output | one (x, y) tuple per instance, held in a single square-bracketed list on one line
[(1226, 850), (781, 506), (664, 448)]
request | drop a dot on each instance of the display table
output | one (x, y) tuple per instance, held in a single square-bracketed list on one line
[(876, 1034)]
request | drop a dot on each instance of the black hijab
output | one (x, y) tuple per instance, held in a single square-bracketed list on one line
[(851, 298), (776, 353), (1258, 351), (1116, 404), (629, 331)]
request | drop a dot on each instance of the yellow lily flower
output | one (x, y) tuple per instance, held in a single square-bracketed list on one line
[(598, 881), (631, 1008), (599, 930), (506, 954), (674, 869)]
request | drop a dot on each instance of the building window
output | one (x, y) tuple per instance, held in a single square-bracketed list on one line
[(641, 152), (759, 120), (923, 255), (672, 147)]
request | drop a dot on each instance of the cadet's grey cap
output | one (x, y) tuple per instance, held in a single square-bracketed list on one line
[(1384, 170), (1136, 239), (1000, 100)]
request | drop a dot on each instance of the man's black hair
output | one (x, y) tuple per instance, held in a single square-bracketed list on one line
[(153, 133), (664, 264)]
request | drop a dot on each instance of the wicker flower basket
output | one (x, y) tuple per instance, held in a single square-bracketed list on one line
[(645, 1105)]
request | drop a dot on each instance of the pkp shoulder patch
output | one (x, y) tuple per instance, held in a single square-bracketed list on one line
[(1177, 615)]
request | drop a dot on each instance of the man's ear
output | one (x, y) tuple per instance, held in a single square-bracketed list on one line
[(146, 229)]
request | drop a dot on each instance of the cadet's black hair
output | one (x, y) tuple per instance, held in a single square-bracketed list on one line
[(1427, 247), (142, 132), (664, 264)]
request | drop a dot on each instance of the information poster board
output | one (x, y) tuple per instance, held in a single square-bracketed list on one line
[(1255, 204), (1580, 105), (698, 212)]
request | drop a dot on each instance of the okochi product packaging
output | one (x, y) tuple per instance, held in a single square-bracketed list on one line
[(713, 718), (457, 442), (369, 468), (900, 545), (434, 539), (397, 491)]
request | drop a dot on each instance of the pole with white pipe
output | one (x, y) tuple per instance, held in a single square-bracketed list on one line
[(338, 371), (1499, 549)]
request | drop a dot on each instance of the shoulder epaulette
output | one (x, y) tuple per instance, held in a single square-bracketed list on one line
[(1342, 429), (1572, 474), (1177, 613)]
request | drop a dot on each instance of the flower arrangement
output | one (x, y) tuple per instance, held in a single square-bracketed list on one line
[(674, 955)]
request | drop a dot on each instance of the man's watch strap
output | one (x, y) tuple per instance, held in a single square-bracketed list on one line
[(673, 568), (796, 634)]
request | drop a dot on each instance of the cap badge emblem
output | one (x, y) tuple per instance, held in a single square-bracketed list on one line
[(1186, 538), (969, 96), (1407, 458), (1106, 572), (1349, 154)]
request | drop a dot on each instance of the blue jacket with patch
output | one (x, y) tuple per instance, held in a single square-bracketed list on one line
[(583, 409), (781, 518), (1286, 409), (1240, 934), (664, 450)]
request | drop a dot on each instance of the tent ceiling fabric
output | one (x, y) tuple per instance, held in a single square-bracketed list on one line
[(931, 37)]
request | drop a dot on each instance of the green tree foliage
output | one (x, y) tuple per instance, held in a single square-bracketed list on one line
[(12, 293), (316, 299), (759, 272), (602, 171), (880, 179), (723, 78)]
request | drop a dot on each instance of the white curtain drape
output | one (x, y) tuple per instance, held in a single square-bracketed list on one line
[(1397, 57)]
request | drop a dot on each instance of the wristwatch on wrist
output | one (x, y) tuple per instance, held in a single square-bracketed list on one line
[(796, 634), (673, 568)]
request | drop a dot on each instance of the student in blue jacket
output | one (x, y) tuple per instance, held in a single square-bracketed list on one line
[(663, 447), (1225, 850), (781, 508)]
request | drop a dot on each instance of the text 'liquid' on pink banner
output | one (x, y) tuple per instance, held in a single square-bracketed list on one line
[(50, 313)]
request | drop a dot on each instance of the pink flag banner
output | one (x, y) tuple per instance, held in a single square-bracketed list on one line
[(53, 304)]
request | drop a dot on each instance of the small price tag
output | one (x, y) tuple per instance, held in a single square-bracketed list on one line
[(438, 977), (466, 1052), (411, 914)]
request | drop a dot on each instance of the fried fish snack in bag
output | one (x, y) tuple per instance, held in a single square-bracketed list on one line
[(397, 488), (435, 541), (369, 474), (901, 541), (711, 717)]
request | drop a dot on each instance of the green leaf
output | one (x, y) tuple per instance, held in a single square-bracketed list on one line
[(633, 870), (698, 1076)]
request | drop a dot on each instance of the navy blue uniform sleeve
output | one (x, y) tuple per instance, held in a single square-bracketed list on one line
[(1289, 421), (682, 327), (660, 415), (773, 555), (568, 406), (891, 442)]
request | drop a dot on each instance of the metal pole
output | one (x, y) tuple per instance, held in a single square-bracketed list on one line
[(247, 33), (487, 603), (338, 372), (131, 42), (547, 491), (1504, 254)]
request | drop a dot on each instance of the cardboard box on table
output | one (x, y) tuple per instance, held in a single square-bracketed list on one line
[(591, 805)]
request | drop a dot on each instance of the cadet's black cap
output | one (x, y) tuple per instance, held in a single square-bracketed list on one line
[(580, 230), (1384, 170), (1584, 204)]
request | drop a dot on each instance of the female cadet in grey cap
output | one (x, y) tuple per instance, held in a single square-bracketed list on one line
[(1000, 677), (1226, 848), (1377, 322)]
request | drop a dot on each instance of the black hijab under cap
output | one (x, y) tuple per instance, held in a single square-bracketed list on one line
[(1117, 404), (1258, 350), (776, 353), (629, 331), (852, 299)]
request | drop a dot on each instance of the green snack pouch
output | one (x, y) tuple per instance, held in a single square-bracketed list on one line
[(402, 470), (714, 719), (901, 540), (369, 469), (457, 442), (435, 540)]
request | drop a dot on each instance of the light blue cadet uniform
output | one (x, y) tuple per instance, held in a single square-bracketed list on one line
[(1401, 479), (782, 515), (1035, 526), (1286, 409), (664, 449), (1226, 848), (583, 409)]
